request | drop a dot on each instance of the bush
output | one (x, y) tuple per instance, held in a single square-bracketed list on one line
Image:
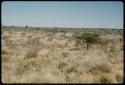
[(119, 77), (31, 54), (101, 68), (105, 80), (4, 51), (89, 38), (23, 34), (5, 58), (71, 69), (62, 65), (26, 26), (20, 68)]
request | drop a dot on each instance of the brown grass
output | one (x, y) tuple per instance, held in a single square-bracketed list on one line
[(45, 56)]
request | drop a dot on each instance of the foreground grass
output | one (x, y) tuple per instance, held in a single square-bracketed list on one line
[(61, 56)]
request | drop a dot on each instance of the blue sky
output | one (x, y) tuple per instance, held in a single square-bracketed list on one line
[(63, 14)]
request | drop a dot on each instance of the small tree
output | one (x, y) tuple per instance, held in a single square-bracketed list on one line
[(26, 26), (89, 38)]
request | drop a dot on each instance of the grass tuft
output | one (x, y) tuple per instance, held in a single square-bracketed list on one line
[(103, 68), (31, 54)]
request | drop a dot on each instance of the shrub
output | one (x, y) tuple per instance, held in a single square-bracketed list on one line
[(31, 54), (89, 38), (4, 51), (23, 34), (121, 39), (33, 41), (26, 26), (119, 77), (105, 79), (62, 65), (5, 58), (71, 69), (20, 69), (101, 68), (65, 54)]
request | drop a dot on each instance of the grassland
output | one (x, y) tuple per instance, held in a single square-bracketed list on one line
[(57, 55)]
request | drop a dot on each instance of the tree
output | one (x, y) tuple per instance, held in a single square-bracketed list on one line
[(89, 38), (26, 26)]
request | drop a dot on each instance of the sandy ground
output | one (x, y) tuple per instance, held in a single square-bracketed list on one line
[(47, 57)]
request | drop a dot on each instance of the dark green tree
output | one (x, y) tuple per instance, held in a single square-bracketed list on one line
[(89, 38)]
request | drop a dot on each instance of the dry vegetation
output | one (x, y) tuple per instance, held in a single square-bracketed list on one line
[(41, 55)]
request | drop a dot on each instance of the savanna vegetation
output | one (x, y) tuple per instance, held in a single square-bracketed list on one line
[(61, 55)]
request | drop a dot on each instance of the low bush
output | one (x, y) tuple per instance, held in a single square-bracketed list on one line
[(89, 38), (31, 54), (101, 68), (4, 51), (119, 77), (62, 65), (105, 80)]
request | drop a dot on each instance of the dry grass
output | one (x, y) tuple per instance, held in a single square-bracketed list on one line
[(119, 77), (31, 53), (101, 68), (56, 56)]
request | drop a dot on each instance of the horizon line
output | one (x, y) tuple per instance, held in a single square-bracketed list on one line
[(61, 27)]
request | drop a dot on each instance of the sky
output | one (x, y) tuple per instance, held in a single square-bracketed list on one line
[(77, 14)]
